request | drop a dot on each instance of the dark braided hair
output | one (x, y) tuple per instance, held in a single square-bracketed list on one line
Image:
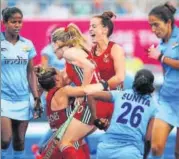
[(164, 12), (143, 82), (9, 12), (46, 78)]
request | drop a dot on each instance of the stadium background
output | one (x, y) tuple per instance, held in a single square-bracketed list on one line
[(131, 31)]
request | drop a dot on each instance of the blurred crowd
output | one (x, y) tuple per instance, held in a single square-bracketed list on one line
[(63, 9)]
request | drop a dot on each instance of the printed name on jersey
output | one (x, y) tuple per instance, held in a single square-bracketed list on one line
[(136, 98), (18, 60), (53, 117)]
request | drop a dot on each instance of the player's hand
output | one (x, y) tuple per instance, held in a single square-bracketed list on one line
[(38, 109), (121, 86), (101, 123), (153, 53), (79, 100), (38, 70)]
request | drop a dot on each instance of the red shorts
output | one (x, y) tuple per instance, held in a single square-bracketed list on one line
[(82, 153), (104, 109), (56, 154)]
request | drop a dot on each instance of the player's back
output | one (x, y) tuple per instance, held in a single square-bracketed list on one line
[(132, 113)]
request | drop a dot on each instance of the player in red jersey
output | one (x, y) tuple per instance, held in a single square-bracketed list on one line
[(70, 44), (59, 107), (108, 56)]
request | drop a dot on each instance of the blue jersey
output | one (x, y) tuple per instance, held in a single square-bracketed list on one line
[(14, 62), (131, 115), (170, 88), (53, 61)]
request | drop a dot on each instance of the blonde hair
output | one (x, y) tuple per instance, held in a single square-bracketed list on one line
[(70, 36)]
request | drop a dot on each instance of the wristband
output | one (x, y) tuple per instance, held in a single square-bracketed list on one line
[(105, 85), (160, 57)]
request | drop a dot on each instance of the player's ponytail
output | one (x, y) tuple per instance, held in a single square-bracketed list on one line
[(76, 38), (143, 82), (69, 35)]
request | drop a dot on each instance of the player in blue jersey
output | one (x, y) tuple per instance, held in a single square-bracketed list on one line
[(17, 75), (133, 111), (161, 20), (49, 59)]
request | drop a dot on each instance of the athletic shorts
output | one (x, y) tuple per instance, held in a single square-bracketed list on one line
[(168, 112), (82, 153), (118, 151), (18, 110)]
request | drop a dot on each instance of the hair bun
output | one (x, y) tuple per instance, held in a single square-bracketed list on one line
[(170, 7), (109, 14)]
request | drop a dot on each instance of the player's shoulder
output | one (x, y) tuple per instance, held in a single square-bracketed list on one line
[(23, 39), (118, 93), (47, 49), (117, 48), (75, 52)]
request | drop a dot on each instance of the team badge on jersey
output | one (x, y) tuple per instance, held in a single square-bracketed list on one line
[(106, 58), (26, 49), (175, 45)]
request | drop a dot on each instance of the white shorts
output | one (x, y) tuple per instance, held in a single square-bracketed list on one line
[(18, 110), (168, 112), (118, 151)]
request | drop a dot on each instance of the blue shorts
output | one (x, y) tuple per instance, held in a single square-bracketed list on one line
[(168, 112), (118, 151), (18, 110)]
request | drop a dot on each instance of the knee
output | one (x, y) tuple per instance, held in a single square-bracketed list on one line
[(18, 145), (5, 143), (157, 149)]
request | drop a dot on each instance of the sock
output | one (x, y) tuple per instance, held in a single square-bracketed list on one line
[(18, 154), (3, 153), (69, 153), (157, 157)]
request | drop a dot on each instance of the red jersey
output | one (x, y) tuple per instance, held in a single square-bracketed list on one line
[(105, 66), (58, 117), (75, 73), (104, 62)]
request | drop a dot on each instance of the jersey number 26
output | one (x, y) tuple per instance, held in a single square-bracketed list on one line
[(135, 115)]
